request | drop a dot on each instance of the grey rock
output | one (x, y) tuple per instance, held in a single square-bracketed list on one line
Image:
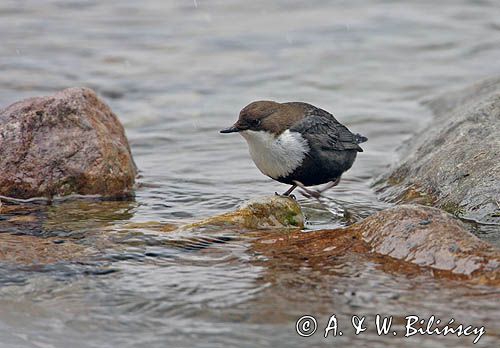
[(454, 163)]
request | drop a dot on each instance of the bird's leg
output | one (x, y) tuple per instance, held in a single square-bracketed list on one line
[(288, 192), (310, 193)]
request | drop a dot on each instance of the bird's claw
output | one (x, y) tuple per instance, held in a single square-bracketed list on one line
[(286, 196)]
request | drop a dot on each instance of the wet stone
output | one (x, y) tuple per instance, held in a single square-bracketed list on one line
[(454, 163), (262, 213), (390, 238), (67, 143), (32, 250)]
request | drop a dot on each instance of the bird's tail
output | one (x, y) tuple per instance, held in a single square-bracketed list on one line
[(359, 138)]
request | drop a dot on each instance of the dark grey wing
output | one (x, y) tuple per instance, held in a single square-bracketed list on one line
[(323, 130)]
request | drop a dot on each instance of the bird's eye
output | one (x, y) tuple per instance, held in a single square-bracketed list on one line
[(255, 123)]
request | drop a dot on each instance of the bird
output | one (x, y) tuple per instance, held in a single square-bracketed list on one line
[(297, 143)]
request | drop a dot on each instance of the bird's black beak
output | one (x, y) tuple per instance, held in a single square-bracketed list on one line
[(232, 129)]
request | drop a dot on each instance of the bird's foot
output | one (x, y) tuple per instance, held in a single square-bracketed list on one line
[(317, 194), (285, 195), (307, 192)]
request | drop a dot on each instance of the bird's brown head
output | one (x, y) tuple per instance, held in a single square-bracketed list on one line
[(265, 115)]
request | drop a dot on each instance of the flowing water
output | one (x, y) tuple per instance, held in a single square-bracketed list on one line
[(176, 72)]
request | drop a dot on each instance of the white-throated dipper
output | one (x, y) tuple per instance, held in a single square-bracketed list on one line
[(297, 143)]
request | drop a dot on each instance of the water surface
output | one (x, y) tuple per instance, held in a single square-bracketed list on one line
[(176, 72)]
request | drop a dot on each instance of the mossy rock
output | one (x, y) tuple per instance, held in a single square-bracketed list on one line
[(262, 213)]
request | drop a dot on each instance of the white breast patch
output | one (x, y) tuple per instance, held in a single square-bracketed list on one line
[(276, 156)]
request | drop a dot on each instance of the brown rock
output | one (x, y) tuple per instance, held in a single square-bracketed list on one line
[(67, 143), (405, 239), (429, 237), (28, 250)]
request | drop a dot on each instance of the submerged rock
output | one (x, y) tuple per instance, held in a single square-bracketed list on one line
[(30, 250), (263, 213), (67, 143), (454, 163), (404, 239), (84, 230)]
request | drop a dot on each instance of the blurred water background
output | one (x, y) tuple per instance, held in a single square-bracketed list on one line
[(175, 72)]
